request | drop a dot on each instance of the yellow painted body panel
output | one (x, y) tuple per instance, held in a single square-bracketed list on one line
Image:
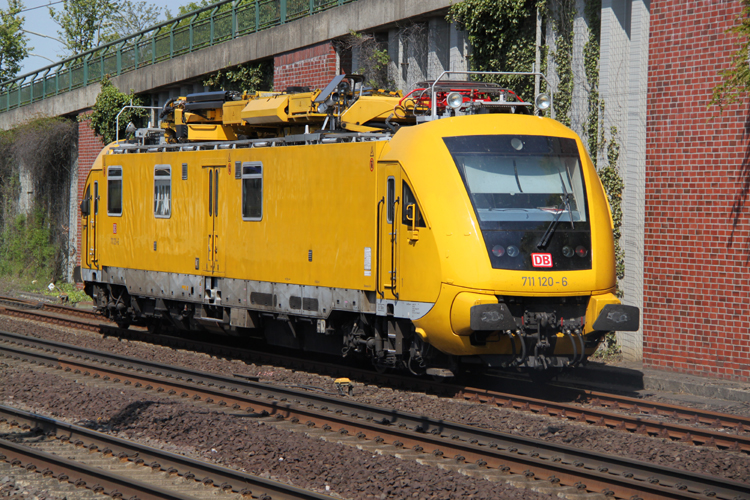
[(232, 112), (409, 268), (296, 190), (266, 111), (210, 132), (370, 108)]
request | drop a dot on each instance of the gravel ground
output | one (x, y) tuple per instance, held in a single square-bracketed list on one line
[(9, 488), (242, 442), (674, 454)]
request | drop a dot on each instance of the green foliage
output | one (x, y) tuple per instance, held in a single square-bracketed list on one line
[(378, 60), (609, 349), (83, 23), (109, 102), (34, 245), (132, 16), (736, 79), (67, 290), (591, 52), (613, 186), (502, 35), (13, 43), (26, 248), (373, 59), (248, 77), (191, 6), (562, 17)]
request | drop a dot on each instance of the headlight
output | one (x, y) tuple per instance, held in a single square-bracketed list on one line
[(498, 251), (322, 107), (513, 251), (543, 101), (455, 100), (581, 251), (567, 251)]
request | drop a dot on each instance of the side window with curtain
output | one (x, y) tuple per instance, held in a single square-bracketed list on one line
[(410, 199), (162, 191), (252, 191), (114, 191)]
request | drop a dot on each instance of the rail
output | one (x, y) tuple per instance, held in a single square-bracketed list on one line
[(585, 470), (217, 23)]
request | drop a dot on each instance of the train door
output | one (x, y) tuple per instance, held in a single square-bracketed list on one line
[(389, 213), (215, 241), (89, 211), (93, 254)]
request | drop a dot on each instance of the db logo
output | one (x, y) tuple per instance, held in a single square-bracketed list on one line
[(541, 259)]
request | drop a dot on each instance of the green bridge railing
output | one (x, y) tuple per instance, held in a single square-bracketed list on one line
[(223, 21)]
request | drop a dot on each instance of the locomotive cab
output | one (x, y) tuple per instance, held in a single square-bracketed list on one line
[(525, 211)]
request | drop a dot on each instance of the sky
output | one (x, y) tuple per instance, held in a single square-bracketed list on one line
[(40, 23)]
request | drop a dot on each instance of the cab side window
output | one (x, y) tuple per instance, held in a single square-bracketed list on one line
[(162, 191), (252, 191), (410, 199), (114, 191)]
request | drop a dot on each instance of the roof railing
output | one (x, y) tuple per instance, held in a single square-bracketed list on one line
[(217, 23)]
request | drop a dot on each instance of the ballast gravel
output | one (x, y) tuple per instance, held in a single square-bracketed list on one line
[(242, 442), (721, 463), (9, 488)]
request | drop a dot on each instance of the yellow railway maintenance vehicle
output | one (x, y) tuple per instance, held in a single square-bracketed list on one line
[(446, 229)]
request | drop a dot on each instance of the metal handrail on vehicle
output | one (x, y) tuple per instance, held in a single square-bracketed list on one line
[(220, 22), (433, 100)]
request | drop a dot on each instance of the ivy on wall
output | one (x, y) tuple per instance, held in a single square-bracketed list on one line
[(502, 36), (33, 244), (562, 14), (373, 59), (248, 77), (613, 186), (735, 82), (591, 53)]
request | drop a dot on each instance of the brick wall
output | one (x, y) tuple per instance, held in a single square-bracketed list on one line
[(312, 67), (696, 313), (89, 147)]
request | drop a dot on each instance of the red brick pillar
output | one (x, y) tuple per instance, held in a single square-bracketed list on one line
[(313, 67), (696, 293), (89, 147)]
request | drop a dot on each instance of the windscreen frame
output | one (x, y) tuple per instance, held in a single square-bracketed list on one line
[(533, 145)]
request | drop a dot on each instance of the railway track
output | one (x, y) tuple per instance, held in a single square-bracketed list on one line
[(53, 313), (695, 426), (49, 449), (473, 451)]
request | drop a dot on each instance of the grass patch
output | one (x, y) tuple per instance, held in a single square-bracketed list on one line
[(609, 350), (26, 250), (69, 290)]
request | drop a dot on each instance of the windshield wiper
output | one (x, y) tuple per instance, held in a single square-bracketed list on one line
[(551, 228), (566, 201), (518, 181)]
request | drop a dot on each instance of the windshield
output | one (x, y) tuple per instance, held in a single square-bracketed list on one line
[(513, 178)]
